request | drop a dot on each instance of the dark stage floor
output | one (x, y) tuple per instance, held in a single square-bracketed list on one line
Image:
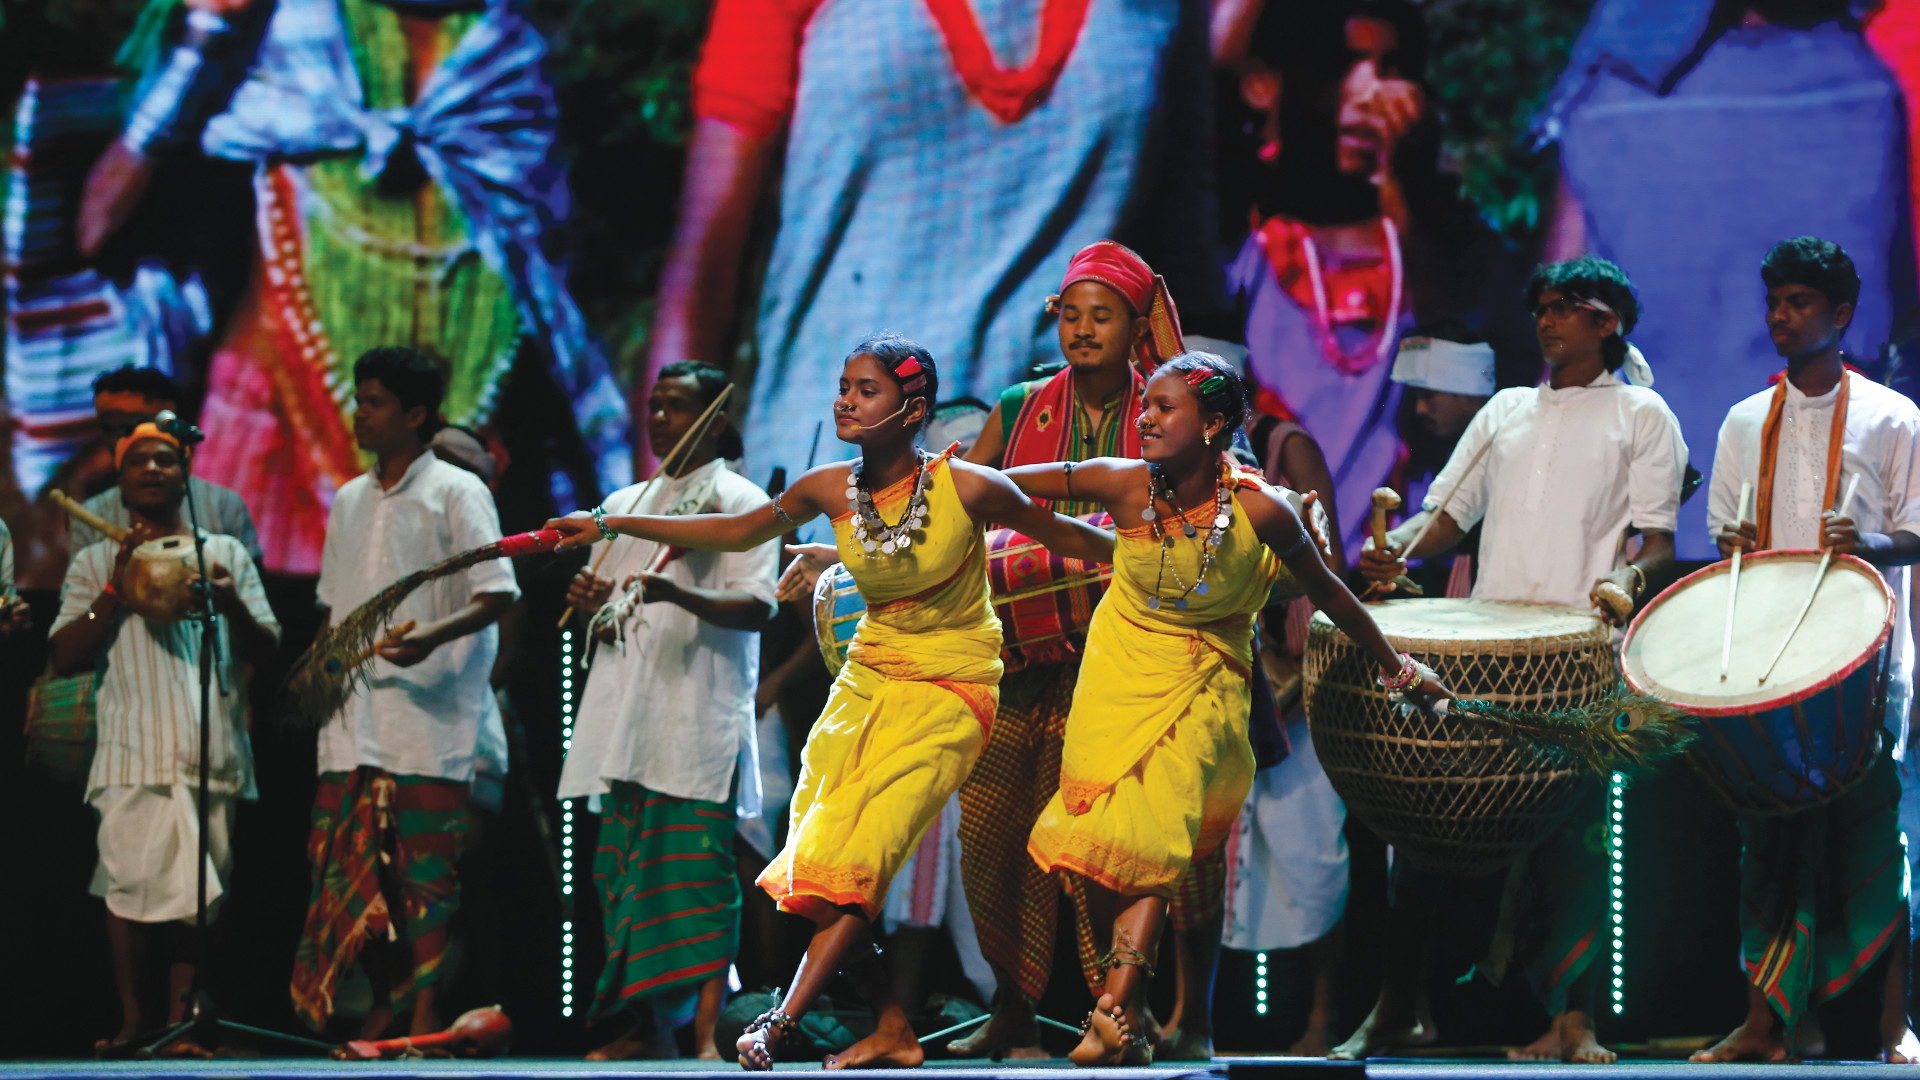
[(1226, 1068)]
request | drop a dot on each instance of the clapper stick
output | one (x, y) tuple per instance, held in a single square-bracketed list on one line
[(1733, 582), (1826, 560), (672, 461)]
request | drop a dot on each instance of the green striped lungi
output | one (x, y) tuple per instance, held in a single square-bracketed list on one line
[(1822, 892), (668, 891)]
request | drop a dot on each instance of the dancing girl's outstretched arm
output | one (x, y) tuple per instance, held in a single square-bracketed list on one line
[(806, 499), (991, 495)]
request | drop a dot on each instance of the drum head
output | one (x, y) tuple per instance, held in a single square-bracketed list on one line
[(1672, 651), (1451, 624)]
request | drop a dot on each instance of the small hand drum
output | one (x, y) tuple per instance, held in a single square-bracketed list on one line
[(837, 609), (1454, 794), (158, 581), (1813, 727)]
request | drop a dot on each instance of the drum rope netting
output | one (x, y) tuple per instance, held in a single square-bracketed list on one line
[(1450, 792)]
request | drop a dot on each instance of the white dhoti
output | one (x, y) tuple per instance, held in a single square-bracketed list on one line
[(1287, 857), (149, 841)]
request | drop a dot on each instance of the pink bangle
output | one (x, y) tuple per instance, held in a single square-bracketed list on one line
[(1406, 678)]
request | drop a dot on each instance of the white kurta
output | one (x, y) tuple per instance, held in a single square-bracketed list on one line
[(1879, 445), (685, 718), (423, 720), (1569, 471)]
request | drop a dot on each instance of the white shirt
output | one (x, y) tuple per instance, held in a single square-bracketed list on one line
[(1879, 445), (1568, 472), (594, 719), (422, 720), (148, 700), (685, 716)]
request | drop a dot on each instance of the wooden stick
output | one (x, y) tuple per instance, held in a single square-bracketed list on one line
[(1826, 560), (1414, 544), (1385, 501), (80, 513), (667, 464), (1733, 582)]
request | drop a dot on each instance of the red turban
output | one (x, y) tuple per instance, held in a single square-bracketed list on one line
[(1118, 268)]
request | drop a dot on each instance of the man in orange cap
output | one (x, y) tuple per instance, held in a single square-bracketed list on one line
[(1117, 323)]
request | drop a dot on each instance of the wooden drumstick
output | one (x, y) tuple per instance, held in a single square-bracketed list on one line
[(667, 464), (1733, 581), (1826, 560), (100, 525), (1385, 501)]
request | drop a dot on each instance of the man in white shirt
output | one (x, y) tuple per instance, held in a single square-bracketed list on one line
[(14, 612), (397, 762), (146, 762), (124, 398), (1572, 466), (665, 736), (1821, 889)]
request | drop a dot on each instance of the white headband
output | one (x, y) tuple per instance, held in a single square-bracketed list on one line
[(1447, 366), (1636, 369)]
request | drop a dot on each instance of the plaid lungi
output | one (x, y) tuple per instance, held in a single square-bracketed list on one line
[(669, 897), (377, 841), (1015, 904)]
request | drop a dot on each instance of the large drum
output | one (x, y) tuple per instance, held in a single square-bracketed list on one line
[(1045, 601), (1813, 727), (1456, 795)]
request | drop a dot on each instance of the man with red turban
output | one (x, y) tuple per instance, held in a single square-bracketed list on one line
[(1117, 323)]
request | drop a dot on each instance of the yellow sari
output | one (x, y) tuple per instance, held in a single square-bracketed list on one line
[(1156, 763), (908, 714)]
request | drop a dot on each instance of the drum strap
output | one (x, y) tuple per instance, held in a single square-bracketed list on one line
[(1770, 455)]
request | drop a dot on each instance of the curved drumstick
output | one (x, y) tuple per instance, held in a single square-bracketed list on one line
[(1826, 560), (1733, 582), (672, 461)]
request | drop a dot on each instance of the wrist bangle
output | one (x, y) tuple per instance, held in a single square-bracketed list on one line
[(1639, 579), (1406, 678), (600, 522)]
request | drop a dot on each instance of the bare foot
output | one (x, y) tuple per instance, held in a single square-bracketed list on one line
[(1312, 1042), (122, 1044), (1380, 1032), (185, 1049), (1748, 1042), (1177, 1044), (754, 1049), (632, 1045), (891, 1046), (1110, 1040), (1012, 1028), (1578, 1044), (1901, 1049), (378, 1022)]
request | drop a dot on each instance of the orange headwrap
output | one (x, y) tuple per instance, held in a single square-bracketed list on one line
[(148, 430), (1118, 268)]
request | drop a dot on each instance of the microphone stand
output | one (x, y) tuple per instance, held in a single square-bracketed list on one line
[(202, 1020)]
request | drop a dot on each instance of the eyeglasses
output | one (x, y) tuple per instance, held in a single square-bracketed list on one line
[(1560, 308)]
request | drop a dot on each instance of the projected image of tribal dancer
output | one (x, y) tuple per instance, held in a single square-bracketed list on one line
[(406, 192), (1356, 231)]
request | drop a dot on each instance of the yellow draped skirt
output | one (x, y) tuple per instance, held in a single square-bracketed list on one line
[(1156, 763)]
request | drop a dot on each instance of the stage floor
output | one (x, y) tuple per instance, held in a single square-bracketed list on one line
[(1225, 1068)]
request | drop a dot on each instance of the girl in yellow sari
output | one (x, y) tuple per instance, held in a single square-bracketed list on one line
[(913, 706), (1156, 762)]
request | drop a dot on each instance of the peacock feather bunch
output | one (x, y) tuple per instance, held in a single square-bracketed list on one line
[(1620, 732)]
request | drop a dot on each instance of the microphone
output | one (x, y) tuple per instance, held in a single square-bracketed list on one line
[(173, 424)]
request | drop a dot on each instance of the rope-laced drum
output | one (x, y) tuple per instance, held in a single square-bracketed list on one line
[(1813, 728), (1453, 793)]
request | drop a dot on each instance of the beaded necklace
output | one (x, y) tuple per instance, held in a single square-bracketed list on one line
[(870, 530), (1159, 488)]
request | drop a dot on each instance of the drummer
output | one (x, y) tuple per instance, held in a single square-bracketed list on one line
[(1116, 321), (1572, 467), (1781, 441), (141, 782)]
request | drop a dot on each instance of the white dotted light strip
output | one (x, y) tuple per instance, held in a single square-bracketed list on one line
[(566, 828), (1616, 807), (1260, 983)]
